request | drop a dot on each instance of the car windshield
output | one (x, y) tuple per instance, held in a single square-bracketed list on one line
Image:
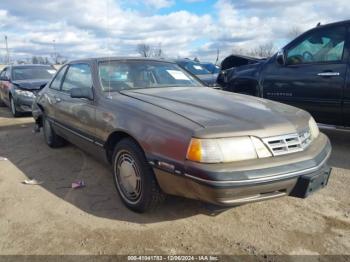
[(32, 73), (214, 69), (124, 75), (194, 68)]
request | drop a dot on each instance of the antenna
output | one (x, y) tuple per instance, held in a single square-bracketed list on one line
[(7, 51), (217, 56), (54, 51), (108, 51)]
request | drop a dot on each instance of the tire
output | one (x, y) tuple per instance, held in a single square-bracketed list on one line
[(134, 178), (14, 111), (51, 138), (2, 104)]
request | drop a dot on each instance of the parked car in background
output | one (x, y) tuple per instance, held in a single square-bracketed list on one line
[(312, 72), (197, 69), (212, 68), (164, 132), (19, 85), (238, 60)]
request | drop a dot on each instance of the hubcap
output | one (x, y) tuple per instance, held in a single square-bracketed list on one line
[(128, 177)]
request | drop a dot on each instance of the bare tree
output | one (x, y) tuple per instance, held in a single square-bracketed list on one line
[(157, 51), (237, 50), (144, 50), (294, 32), (58, 59), (35, 60), (39, 60), (263, 50)]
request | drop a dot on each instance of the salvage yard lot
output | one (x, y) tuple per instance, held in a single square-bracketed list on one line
[(52, 218)]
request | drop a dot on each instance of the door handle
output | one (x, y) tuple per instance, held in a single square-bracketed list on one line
[(57, 99), (328, 74)]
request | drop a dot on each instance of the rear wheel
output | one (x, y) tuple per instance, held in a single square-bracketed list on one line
[(51, 138), (14, 111), (134, 177)]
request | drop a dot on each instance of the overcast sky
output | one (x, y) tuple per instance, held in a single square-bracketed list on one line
[(186, 28)]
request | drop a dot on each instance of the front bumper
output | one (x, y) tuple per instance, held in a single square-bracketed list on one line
[(24, 103), (249, 181)]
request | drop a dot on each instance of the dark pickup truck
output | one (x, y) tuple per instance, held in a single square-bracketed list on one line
[(311, 72)]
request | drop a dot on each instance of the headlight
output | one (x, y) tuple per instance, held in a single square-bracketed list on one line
[(223, 150), (313, 128), (24, 93)]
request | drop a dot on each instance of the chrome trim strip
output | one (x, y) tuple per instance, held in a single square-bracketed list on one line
[(300, 142), (333, 127), (254, 198), (75, 133), (262, 179), (328, 74), (98, 144)]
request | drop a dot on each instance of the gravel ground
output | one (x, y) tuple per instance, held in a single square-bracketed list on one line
[(53, 219)]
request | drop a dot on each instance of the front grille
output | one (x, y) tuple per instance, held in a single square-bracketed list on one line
[(286, 144)]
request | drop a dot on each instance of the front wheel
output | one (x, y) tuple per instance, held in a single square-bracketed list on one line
[(14, 111), (134, 177), (51, 138)]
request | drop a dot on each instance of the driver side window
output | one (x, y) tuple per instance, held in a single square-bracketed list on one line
[(320, 46)]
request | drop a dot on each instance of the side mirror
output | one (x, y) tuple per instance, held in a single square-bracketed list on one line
[(82, 93), (280, 58)]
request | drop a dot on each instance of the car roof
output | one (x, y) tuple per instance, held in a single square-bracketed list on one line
[(29, 65), (344, 22), (187, 60), (124, 58), (207, 63)]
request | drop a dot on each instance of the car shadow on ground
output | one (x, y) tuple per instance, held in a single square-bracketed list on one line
[(58, 168)]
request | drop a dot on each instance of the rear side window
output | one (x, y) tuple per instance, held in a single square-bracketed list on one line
[(319, 46), (56, 83), (194, 68), (78, 76)]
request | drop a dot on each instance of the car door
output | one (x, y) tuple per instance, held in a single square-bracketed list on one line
[(75, 117), (313, 75), (52, 94), (2, 74), (346, 97)]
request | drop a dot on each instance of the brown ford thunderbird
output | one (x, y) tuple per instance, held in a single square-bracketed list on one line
[(165, 133)]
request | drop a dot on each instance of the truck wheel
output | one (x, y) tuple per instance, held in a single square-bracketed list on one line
[(134, 177), (51, 139), (14, 111)]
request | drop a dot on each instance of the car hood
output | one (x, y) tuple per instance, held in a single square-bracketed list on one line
[(225, 114), (239, 60), (209, 79), (34, 84)]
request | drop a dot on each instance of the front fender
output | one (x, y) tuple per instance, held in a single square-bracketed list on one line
[(37, 113)]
